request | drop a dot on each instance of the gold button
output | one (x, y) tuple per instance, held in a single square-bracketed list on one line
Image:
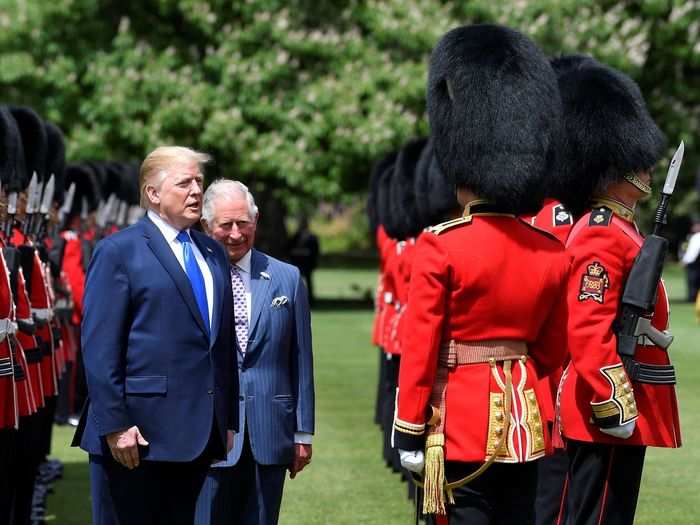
[(499, 431), (498, 403)]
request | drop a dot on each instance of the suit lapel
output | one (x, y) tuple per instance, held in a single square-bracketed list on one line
[(159, 246), (218, 284), (258, 289)]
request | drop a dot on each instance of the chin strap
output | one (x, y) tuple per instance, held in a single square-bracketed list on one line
[(637, 183)]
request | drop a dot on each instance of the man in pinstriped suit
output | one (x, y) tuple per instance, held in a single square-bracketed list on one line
[(275, 366)]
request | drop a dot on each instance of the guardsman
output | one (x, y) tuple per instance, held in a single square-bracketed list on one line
[(481, 334), (608, 417), (381, 239)]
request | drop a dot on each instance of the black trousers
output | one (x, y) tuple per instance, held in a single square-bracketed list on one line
[(28, 457), (551, 479), (379, 401), (8, 451), (603, 483), (391, 380), (503, 495)]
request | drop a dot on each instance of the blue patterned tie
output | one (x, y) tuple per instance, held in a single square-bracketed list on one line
[(195, 276)]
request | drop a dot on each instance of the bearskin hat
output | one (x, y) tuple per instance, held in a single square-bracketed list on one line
[(608, 131), (56, 159), (86, 187), (495, 114), (10, 151), (372, 205), (385, 210), (34, 143), (403, 196), (435, 196)]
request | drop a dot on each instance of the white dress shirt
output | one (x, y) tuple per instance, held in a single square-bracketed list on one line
[(170, 233), (243, 265)]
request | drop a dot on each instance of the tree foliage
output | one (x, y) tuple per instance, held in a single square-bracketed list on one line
[(300, 97)]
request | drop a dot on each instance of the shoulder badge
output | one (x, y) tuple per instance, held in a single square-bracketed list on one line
[(561, 216), (600, 217), (444, 226), (594, 283)]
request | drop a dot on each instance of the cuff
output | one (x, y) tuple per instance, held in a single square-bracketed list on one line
[(408, 436), (303, 438)]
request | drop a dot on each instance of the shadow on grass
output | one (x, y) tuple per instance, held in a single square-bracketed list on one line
[(70, 502)]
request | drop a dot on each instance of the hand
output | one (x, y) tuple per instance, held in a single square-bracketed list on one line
[(302, 457), (230, 436), (413, 460), (124, 446), (622, 431)]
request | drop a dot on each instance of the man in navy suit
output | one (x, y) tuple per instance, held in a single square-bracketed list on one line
[(275, 367), (159, 352)]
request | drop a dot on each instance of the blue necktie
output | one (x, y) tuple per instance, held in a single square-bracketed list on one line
[(195, 276)]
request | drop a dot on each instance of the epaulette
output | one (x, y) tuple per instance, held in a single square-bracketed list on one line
[(544, 232), (600, 217), (448, 225), (561, 216)]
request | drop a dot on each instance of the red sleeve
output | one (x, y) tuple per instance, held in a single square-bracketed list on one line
[(421, 344), (73, 268), (600, 265)]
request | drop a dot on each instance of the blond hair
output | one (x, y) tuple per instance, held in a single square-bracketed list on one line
[(158, 161)]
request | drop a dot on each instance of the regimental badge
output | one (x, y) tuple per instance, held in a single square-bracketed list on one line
[(600, 217), (561, 216), (594, 283)]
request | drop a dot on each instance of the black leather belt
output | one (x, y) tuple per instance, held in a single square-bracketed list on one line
[(650, 374), (33, 355), (19, 371)]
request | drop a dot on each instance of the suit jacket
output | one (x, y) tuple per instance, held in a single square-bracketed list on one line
[(148, 359), (276, 374)]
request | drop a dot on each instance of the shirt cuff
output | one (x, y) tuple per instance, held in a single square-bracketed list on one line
[(303, 438)]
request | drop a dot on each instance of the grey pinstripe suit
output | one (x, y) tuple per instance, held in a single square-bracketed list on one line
[(276, 396)]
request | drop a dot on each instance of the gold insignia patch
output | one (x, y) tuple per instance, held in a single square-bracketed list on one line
[(594, 283)]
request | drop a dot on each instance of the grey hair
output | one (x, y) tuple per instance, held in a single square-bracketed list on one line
[(226, 188)]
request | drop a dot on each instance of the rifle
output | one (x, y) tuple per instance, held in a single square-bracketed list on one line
[(640, 293)]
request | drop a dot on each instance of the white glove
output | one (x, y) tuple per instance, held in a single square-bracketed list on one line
[(622, 431), (413, 460)]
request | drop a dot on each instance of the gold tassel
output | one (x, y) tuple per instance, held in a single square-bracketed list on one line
[(434, 476)]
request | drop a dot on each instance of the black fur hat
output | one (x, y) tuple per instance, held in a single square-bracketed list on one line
[(435, 197), (385, 210), (56, 159), (34, 142), (372, 204), (608, 131), (403, 195), (9, 151), (495, 114), (86, 186)]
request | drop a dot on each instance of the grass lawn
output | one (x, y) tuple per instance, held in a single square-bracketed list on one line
[(347, 482)]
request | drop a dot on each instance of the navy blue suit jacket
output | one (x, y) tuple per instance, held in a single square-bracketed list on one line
[(148, 358), (276, 374)]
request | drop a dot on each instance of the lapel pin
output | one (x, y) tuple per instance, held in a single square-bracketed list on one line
[(209, 249), (265, 275), (279, 301)]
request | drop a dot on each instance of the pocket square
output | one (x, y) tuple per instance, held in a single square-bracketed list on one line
[(279, 301), (265, 275)]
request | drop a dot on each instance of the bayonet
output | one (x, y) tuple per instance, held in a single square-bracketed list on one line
[(121, 218), (84, 212), (667, 191), (33, 197), (45, 207), (67, 203), (100, 216), (113, 210)]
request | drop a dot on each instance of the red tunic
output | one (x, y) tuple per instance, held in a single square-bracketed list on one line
[(9, 414), (382, 240), (491, 277), (557, 220), (603, 246), (390, 283), (74, 270)]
